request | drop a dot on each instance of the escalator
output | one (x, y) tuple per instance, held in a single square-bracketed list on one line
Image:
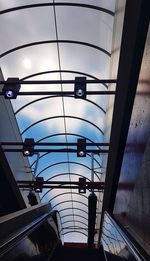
[(80, 254), (33, 234), (30, 234)]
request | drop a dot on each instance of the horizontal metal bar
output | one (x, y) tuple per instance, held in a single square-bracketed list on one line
[(58, 150), (59, 93), (61, 184), (88, 183), (58, 81), (55, 143), (58, 187)]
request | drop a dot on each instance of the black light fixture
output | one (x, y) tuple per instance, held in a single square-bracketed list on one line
[(82, 185), (32, 199), (28, 147), (80, 87), (38, 185), (10, 89), (81, 147)]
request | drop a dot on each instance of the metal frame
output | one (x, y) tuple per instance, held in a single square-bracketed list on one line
[(64, 162), (67, 193), (54, 41), (59, 134), (64, 95), (75, 209), (80, 232), (75, 221), (75, 227), (68, 201), (75, 215), (43, 155), (98, 8), (61, 116), (63, 174), (99, 185), (7, 143), (63, 71), (35, 151)]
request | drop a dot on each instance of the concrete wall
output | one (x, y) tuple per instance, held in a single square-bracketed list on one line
[(133, 203), (9, 131)]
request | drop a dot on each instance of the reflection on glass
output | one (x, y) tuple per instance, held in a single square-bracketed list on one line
[(112, 240)]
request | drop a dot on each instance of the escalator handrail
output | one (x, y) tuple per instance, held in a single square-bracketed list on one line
[(21, 233), (135, 252)]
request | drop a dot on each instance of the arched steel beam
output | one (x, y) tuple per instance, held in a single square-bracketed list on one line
[(68, 201), (68, 134), (45, 154), (61, 116), (63, 71), (80, 232), (75, 215), (58, 176), (55, 96), (20, 47), (75, 222), (74, 209), (94, 7), (62, 194), (63, 174), (63, 134), (65, 162), (74, 228)]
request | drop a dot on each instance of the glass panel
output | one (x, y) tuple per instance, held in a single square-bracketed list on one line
[(97, 23), (44, 119), (113, 241), (84, 59), (13, 64), (108, 4), (19, 23), (5, 4)]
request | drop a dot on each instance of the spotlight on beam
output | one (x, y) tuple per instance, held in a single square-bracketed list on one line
[(80, 87), (81, 148), (82, 185), (10, 90), (38, 186), (28, 147)]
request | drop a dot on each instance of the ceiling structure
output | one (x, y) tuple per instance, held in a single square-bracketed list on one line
[(58, 41)]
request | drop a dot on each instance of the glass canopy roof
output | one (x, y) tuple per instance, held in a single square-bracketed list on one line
[(60, 40)]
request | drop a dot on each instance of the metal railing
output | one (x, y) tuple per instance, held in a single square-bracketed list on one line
[(14, 237), (116, 242)]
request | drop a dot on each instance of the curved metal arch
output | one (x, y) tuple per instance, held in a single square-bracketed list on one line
[(20, 47), (63, 71), (64, 193), (55, 96), (98, 8), (61, 116), (61, 174), (68, 201), (45, 154), (80, 232), (74, 228), (63, 134), (75, 215), (74, 221), (74, 209), (65, 162)]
